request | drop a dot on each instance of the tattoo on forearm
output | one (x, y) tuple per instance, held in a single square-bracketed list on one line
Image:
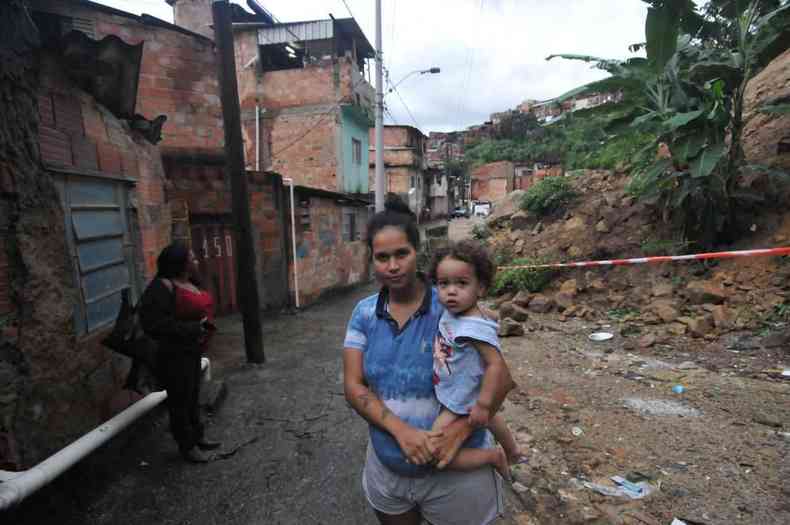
[(385, 413), (365, 400)]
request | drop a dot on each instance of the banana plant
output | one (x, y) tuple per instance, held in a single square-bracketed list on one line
[(698, 65)]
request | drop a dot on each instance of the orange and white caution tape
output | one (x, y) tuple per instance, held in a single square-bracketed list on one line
[(659, 259)]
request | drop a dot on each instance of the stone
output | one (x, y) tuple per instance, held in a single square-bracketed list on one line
[(663, 290), (574, 223), (541, 304), (564, 300), (676, 328), (520, 488), (616, 299), (508, 328), (519, 221), (602, 227), (701, 292), (768, 420), (776, 339), (570, 286), (723, 318), (519, 245), (647, 340), (574, 251), (513, 311), (665, 310), (503, 299), (522, 298), (627, 202), (611, 198), (597, 285), (538, 228), (698, 326)]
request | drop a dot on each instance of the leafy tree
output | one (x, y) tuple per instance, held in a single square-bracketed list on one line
[(699, 62)]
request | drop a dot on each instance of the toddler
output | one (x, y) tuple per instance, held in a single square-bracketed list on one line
[(467, 356)]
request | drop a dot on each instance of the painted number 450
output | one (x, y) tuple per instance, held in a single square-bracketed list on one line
[(217, 246)]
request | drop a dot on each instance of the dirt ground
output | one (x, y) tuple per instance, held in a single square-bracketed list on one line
[(717, 453)]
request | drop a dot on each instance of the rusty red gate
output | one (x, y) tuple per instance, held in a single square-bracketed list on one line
[(214, 246)]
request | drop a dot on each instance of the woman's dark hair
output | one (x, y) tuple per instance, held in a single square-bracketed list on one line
[(396, 214), (173, 261), (470, 252)]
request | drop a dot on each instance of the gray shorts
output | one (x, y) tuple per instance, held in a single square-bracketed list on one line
[(443, 498)]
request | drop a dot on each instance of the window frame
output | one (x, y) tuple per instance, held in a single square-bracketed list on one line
[(121, 188), (356, 151)]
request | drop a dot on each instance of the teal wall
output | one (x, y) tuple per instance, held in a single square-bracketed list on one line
[(355, 125)]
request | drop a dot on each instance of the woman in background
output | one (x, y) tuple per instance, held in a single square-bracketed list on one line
[(178, 314)]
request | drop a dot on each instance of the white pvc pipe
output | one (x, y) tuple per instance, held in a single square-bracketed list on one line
[(290, 182), (257, 137), (16, 486)]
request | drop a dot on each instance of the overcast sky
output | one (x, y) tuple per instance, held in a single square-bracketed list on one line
[(491, 52)]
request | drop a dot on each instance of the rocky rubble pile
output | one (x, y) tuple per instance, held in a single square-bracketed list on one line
[(649, 303)]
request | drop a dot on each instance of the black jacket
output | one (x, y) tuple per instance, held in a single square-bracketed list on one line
[(158, 319)]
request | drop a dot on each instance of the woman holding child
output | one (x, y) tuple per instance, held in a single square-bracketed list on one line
[(422, 366)]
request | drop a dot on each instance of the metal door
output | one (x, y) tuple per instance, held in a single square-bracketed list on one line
[(214, 246)]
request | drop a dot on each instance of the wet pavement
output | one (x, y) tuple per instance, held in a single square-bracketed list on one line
[(293, 448)]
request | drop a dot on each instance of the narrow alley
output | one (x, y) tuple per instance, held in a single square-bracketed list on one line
[(299, 447)]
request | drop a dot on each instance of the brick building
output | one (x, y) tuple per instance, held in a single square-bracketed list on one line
[(441, 147), (81, 204), (124, 123), (492, 181), (405, 166)]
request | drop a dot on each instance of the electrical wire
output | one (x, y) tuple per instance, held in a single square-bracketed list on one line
[(303, 135), (320, 121), (403, 102), (348, 9)]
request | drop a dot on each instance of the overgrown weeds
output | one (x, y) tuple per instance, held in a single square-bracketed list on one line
[(548, 195), (522, 279)]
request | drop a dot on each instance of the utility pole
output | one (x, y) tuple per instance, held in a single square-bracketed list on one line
[(380, 188), (246, 280)]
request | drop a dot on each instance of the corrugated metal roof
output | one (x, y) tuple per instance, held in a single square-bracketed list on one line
[(298, 31)]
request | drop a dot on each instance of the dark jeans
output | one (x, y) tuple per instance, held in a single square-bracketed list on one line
[(180, 372)]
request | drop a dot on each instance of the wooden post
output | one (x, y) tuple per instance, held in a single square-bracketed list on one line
[(247, 282)]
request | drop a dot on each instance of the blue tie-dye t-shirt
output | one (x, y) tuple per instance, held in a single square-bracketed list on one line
[(398, 368)]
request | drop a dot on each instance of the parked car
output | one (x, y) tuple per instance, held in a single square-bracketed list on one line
[(459, 212), (481, 209)]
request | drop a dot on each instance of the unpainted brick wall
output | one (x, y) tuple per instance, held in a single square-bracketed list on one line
[(304, 147), (324, 260), (204, 191), (77, 133), (178, 76)]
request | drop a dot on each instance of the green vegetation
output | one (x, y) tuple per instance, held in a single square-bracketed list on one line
[(526, 279), (596, 138), (480, 232), (622, 314), (548, 195), (699, 62)]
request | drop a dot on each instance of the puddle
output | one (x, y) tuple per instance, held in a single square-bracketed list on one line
[(660, 407)]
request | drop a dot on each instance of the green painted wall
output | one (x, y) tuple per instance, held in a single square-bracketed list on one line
[(355, 125)]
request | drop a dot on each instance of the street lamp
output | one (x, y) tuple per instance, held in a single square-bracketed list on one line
[(432, 71), (380, 183)]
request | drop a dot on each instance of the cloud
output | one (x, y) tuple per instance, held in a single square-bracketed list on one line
[(491, 52)]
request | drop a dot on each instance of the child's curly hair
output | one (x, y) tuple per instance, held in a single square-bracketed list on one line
[(470, 252)]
